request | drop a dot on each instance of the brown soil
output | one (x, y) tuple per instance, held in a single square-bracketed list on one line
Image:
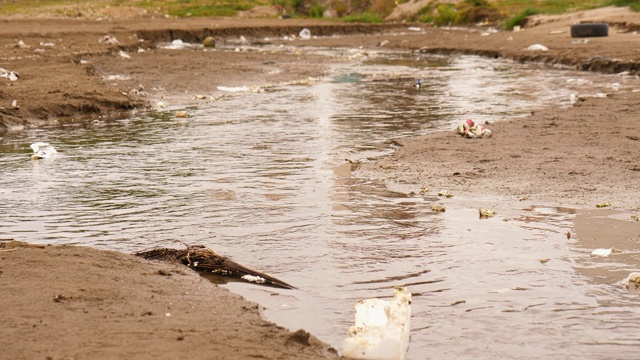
[(71, 302), (66, 302)]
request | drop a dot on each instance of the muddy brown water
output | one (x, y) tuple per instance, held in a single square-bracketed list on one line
[(262, 178)]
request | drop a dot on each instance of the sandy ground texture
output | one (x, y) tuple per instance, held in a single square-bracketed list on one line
[(71, 302), (67, 302)]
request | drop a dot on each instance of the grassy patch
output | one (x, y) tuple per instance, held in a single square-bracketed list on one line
[(518, 19), (364, 18), (632, 4)]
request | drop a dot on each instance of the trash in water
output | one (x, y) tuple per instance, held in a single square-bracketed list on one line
[(632, 282), (42, 150), (381, 329), (605, 252), (486, 213), (603, 204), (445, 193), (108, 40), (233, 88), (471, 130), (305, 34), (11, 75), (438, 208), (209, 42), (538, 47)]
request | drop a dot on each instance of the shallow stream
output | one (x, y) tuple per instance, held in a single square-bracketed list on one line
[(256, 177)]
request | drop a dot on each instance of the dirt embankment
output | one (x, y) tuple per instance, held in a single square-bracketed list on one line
[(67, 302)]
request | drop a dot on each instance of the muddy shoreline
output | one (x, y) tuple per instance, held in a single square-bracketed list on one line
[(116, 305)]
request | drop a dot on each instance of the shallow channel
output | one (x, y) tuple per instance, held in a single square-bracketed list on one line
[(254, 177)]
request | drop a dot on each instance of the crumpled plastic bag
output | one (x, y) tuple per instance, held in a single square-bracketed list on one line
[(471, 130)]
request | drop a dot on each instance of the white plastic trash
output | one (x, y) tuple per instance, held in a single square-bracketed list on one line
[(538, 47), (382, 328), (42, 150), (604, 252), (233, 88), (305, 34)]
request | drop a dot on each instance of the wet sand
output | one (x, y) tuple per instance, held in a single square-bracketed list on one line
[(79, 302)]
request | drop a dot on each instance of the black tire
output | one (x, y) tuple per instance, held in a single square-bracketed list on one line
[(589, 30)]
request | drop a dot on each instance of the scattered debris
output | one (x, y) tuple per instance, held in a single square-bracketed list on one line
[(204, 260), (181, 114), (634, 217), (233, 88), (471, 130), (544, 261), (445, 193), (486, 213), (201, 97), (11, 75), (47, 44), (424, 190), (22, 45), (108, 40), (305, 34), (14, 104), (161, 104), (632, 279), (414, 28), (124, 55), (209, 42), (381, 329), (538, 47), (603, 204), (437, 208), (42, 150), (605, 252), (568, 235)]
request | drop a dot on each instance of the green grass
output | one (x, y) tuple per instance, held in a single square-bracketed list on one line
[(364, 18), (633, 4), (517, 20)]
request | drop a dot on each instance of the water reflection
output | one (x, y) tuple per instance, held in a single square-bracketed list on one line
[(254, 177)]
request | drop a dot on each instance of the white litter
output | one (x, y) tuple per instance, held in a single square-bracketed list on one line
[(381, 328), (305, 34), (255, 279), (124, 55), (108, 40), (14, 104), (604, 252), (22, 45), (42, 150), (538, 47), (414, 28), (634, 277), (233, 88), (11, 75), (48, 44)]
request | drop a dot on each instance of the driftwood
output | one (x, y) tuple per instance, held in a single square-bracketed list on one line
[(208, 261)]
